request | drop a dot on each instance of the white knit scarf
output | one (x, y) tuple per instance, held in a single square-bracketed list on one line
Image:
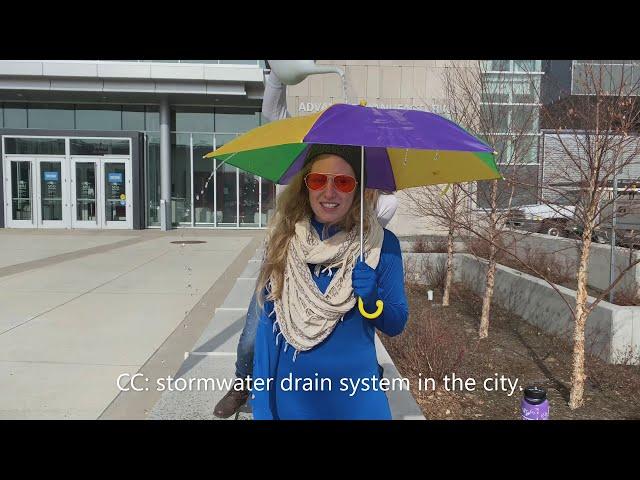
[(304, 314)]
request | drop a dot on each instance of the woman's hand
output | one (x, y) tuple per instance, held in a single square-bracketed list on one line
[(365, 284)]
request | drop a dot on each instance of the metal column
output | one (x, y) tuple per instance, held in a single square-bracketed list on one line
[(165, 165)]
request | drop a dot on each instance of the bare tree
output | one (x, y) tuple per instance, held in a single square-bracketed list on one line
[(447, 206), (595, 137), (488, 99), (444, 206)]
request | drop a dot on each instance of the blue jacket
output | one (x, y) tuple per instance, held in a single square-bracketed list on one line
[(339, 378)]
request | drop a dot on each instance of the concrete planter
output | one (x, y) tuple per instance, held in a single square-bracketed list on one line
[(566, 249), (611, 332)]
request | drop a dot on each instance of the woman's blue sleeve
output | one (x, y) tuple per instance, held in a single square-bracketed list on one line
[(264, 368), (391, 287)]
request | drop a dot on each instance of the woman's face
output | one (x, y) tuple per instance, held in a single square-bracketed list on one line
[(330, 205)]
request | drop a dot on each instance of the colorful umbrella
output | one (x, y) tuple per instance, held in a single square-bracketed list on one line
[(400, 149)]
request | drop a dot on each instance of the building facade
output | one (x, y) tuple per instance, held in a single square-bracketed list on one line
[(578, 85), (509, 89), (108, 144), (410, 84), (119, 144)]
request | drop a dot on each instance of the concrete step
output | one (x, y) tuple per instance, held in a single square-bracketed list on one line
[(198, 400), (225, 326), (251, 271), (240, 295)]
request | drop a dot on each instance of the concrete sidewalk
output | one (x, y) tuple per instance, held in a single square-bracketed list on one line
[(80, 309), (214, 356)]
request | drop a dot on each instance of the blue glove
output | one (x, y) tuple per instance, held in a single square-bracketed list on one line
[(365, 284)]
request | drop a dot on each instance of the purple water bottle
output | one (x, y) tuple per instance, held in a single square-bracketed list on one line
[(534, 405)]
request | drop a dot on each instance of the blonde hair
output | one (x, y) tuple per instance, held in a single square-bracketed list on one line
[(292, 206)]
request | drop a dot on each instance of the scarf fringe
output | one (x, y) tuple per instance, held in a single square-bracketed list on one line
[(286, 344), (301, 297)]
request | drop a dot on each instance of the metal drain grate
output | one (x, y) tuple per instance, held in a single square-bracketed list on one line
[(188, 242)]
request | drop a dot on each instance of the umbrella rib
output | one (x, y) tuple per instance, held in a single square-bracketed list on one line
[(361, 198)]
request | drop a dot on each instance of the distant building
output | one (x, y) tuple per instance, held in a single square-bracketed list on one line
[(99, 144)]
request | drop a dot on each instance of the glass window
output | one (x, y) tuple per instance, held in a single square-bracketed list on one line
[(249, 199), (152, 172), (133, 118), (226, 199), (495, 97), (180, 178), (500, 65), (85, 191), (526, 65), (520, 187), (51, 190), (240, 62), (607, 81), (626, 80), (192, 120), (577, 80), (586, 77), (268, 201), (495, 118), (203, 186), (15, 115), (494, 89), (525, 149), (34, 146), (21, 190), (524, 119), (152, 119), (635, 80), (235, 120), (525, 89), (1, 116), (98, 146), (614, 82), (226, 188), (54, 117), (115, 182), (99, 117)]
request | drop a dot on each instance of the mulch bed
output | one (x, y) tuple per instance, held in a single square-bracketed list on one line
[(444, 340)]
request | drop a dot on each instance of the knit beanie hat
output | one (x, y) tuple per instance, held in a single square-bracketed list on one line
[(351, 154)]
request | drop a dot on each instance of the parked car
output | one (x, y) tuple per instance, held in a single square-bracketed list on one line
[(548, 219)]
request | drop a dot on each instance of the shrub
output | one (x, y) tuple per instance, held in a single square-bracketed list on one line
[(422, 245), (628, 295), (479, 247), (555, 270), (428, 345), (426, 271)]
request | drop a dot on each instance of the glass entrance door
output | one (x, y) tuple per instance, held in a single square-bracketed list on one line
[(52, 197), (19, 193), (84, 193), (117, 193)]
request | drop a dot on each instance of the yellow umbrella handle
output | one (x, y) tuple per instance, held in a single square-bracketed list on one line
[(370, 316)]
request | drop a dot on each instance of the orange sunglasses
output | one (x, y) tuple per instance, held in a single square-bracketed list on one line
[(342, 183)]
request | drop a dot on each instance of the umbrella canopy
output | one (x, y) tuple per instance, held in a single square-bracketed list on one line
[(403, 148), (399, 149)]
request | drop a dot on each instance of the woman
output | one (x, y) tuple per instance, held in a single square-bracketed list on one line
[(314, 351)]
